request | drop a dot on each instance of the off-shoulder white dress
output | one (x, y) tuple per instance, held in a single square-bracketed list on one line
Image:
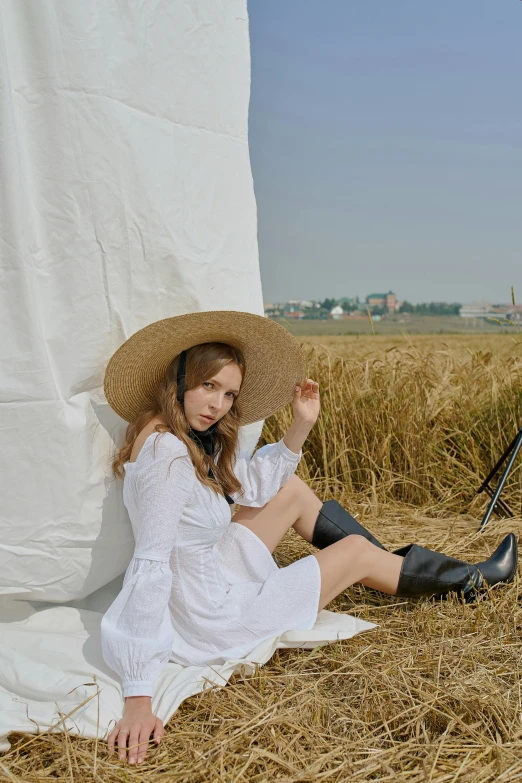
[(200, 589)]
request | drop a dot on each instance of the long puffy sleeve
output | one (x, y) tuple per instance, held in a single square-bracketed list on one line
[(263, 475), (136, 631)]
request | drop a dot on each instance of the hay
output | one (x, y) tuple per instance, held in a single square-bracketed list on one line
[(434, 693)]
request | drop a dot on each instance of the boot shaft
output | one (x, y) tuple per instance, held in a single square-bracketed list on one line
[(334, 523), (425, 572)]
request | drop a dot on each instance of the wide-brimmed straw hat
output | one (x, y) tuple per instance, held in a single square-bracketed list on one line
[(274, 360)]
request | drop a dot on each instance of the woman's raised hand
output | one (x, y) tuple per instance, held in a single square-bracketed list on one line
[(132, 733), (306, 403)]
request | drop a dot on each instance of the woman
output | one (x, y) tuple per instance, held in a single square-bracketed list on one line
[(202, 586)]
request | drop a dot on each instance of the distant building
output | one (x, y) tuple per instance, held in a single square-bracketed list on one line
[(294, 308), (475, 310), (388, 301), (273, 310), (337, 312), (350, 303), (484, 309), (376, 300), (293, 312)]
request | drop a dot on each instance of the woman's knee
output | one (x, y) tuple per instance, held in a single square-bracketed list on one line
[(356, 547), (290, 494), (297, 490), (293, 486), (343, 564), (351, 552)]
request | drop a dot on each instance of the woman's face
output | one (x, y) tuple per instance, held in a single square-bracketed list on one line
[(209, 402)]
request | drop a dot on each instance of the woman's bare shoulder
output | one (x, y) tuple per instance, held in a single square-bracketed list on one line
[(171, 441)]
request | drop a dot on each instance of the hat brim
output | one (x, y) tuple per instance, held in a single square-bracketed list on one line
[(274, 360)]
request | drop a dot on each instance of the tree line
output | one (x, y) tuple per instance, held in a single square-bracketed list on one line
[(424, 308)]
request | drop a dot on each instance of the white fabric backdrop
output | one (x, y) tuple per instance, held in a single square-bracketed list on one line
[(126, 196)]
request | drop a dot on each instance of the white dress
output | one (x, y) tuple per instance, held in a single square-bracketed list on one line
[(200, 589)]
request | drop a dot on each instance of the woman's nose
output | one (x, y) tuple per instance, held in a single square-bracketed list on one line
[(216, 402)]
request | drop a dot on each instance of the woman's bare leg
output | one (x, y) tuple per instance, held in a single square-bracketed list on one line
[(352, 559), (295, 505), (355, 559)]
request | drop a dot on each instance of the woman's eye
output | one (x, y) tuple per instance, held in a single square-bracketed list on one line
[(209, 383)]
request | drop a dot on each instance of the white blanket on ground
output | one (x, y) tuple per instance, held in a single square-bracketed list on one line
[(53, 676)]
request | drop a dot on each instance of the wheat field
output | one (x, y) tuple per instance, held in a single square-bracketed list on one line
[(409, 428)]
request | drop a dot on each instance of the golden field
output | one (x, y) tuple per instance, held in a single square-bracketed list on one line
[(453, 346), (409, 427), (415, 420)]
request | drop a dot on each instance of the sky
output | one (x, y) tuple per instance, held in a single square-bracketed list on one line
[(386, 148)]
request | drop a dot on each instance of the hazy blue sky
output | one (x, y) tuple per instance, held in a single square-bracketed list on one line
[(386, 147)]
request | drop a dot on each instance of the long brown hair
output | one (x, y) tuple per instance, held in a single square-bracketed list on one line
[(203, 362)]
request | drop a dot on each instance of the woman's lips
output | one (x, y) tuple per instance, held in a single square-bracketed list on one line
[(208, 418)]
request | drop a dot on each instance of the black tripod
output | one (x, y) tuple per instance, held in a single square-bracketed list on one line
[(510, 454)]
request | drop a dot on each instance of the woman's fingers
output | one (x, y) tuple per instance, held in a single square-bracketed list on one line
[(111, 739), (133, 740), (122, 743), (159, 731), (308, 384), (144, 744), (310, 387), (133, 743)]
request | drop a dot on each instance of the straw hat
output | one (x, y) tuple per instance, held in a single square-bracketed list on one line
[(275, 361)]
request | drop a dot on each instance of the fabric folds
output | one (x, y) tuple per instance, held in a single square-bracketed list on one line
[(142, 608), (136, 631), (263, 475)]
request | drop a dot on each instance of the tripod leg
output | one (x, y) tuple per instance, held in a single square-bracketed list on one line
[(501, 505), (501, 461), (516, 448)]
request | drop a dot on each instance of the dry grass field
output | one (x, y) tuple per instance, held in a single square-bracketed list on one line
[(409, 427), (453, 346), (397, 324)]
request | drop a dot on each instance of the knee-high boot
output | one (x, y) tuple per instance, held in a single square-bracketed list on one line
[(425, 572), (335, 522)]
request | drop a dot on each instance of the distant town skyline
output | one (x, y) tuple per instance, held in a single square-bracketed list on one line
[(366, 298), (387, 304), (385, 148)]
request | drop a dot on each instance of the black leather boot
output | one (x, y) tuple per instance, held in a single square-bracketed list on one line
[(503, 561), (335, 522), (425, 572)]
